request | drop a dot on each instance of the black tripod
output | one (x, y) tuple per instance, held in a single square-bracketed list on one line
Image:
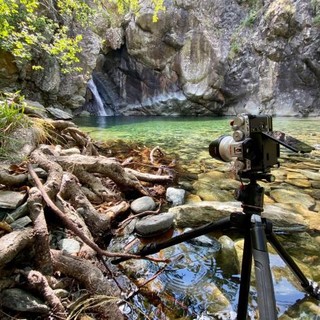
[(256, 232)]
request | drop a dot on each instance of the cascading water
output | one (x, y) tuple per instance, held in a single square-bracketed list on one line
[(97, 99)]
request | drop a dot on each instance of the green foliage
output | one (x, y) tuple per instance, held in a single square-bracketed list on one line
[(316, 8), (133, 6), (11, 117), (250, 19), (30, 29)]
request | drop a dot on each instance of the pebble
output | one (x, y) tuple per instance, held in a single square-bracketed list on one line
[(69, 245), (143, 204), (175, 196), (155, 224)]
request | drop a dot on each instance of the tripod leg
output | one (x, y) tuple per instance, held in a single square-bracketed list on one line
[(308, 285), (245, 278), (264, 284)]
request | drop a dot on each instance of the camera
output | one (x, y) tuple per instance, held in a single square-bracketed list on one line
[(254, 146)]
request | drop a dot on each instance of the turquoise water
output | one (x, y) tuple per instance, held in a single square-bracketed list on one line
[(181, 132), (187, 139)]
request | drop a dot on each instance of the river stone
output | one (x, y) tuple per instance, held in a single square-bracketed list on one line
[(69, 245), (155, 224), (20, 300), (59, 114), (11, 199), (311, 175), (175, 196), (301, 183), (143, 204), (315, 184), (21, 223), (197, 214), (209, 192), (291, 196)]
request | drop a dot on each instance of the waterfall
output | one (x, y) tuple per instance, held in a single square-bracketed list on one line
[(97, 99)]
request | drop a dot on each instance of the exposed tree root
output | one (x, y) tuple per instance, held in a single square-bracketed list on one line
[(86, 196)]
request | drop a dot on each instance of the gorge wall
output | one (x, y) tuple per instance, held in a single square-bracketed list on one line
[(209, 57)]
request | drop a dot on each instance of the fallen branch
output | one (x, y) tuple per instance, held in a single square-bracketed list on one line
[(71, 191), (53, 183), (155, 149)]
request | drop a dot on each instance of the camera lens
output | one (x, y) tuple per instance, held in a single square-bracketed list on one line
[(220, 148)]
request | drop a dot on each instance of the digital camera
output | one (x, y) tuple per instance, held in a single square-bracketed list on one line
[(254, 147)]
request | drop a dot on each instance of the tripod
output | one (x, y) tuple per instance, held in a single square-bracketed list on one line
[(256, 232)]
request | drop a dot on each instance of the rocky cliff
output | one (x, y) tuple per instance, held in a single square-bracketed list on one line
[(207, 57)]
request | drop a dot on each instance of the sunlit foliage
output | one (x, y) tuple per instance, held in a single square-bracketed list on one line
[(30, 29)]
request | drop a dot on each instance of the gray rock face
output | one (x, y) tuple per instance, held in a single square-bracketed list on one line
[(200, 58), (221, 57)]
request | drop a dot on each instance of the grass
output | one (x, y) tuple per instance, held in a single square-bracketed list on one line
[(12, 119)]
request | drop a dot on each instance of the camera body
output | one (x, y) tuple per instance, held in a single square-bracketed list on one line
[(250, 144)]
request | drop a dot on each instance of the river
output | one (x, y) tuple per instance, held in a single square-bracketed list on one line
[(188, 288)]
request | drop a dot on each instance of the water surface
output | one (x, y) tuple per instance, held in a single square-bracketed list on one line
[(192, 280)]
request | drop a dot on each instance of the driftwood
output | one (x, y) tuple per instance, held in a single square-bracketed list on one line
[(71, 191)]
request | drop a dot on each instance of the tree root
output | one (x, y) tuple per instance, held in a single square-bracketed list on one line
[(91, 278), (87, 193)]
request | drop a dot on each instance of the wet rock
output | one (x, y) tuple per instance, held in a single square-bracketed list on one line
[(20, 300), (17, 213), (227, 259), (217, 301), (175, 196), (311, 174), (197, 214), (209, 192), (143, 204), (301, 183)]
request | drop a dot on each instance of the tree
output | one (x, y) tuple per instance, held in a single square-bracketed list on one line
[(31, 28)]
